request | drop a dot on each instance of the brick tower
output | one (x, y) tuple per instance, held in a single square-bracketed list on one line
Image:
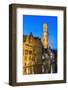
[(45, 36)]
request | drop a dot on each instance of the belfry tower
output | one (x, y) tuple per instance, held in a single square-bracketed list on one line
[(45, 36)]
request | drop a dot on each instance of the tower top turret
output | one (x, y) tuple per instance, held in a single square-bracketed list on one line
[(45, 27)]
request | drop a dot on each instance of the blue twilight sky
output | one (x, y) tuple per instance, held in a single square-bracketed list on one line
[(35, 23)]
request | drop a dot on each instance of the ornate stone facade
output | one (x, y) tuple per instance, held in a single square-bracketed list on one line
[(32, 52)]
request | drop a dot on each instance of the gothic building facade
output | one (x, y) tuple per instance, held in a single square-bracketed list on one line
[(32, 55)]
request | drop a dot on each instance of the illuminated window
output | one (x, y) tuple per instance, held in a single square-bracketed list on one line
[(26, 52), (25, 57), (26, 44), (30, 52)]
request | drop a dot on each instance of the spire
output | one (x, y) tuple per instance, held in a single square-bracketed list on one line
[(31, 35)]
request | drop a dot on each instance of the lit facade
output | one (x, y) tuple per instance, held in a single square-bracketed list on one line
[(45, 36), (32, 55), (37, 56), (46, 63)]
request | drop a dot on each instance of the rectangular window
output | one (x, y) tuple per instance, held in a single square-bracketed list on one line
[(30, 52), (26, 52)]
